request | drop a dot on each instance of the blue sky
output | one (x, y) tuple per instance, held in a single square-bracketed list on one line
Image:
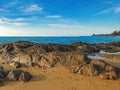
[(58, 17)]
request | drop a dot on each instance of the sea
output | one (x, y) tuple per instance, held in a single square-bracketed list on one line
[(61, 39)]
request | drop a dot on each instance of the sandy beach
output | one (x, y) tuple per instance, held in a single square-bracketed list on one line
[(60, 78)]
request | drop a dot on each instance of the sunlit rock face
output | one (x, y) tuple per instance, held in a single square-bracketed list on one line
[(76, 57)]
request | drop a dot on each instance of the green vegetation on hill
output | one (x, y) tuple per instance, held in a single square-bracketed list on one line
[(114, 33)]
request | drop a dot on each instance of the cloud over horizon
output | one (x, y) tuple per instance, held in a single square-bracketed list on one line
[(54, 16), (31, 9), (57, 16), (13, 22)]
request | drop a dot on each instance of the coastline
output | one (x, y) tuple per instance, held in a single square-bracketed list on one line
[(56, 65)]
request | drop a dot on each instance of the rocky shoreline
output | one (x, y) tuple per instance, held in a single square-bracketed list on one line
[(23, 54)]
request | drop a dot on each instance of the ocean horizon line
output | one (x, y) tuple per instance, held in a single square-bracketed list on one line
[(61, 36)]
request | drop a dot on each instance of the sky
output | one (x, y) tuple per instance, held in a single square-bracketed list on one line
[(58, 17)]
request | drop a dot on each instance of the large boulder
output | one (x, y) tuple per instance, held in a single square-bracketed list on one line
[(87, 48), (1, 68), (84, 47), (22, 58), (99, 64), (15, 64), (49, 60), (88, 70), (109, 75), (109, 47), (25, 76), (97, 68), (110, 72), (29, 64), (109, 68), (67, 59), (2, 73), (14, 75)]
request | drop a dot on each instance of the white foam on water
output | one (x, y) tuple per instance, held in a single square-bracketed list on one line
[(94, 57), (103, 52)]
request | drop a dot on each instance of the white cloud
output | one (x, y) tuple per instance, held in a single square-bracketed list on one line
[(32, 8), (58, 25), (5, 21), (19, 19), (20, 7), (54, 16), (104, 11), (115, 10), (14, 22), (19, 24), (62, 25)]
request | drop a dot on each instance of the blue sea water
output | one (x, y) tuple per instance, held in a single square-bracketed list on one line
[(62, 40), (103, 52), (95, 57)]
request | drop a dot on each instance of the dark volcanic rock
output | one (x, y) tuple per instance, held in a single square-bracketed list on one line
[(25, 76), (92, 68), (24, 50), (67, 59), (29, 64), (88, 70), (50, 55), (99, 64), (1, 68), (2, 73), (23, 46), (15, 64), (109, 75), (98, 68), (84, 47), (109, 47), (14, 75)]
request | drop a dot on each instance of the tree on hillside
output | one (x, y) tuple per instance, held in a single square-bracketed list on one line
[(116, 33)]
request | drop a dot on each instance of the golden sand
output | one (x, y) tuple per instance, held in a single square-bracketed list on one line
[(60, 79)]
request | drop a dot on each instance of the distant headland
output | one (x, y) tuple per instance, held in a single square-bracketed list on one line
[(114, 33)]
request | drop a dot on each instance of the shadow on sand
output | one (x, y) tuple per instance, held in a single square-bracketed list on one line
[(34, 79), (38, 78)]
